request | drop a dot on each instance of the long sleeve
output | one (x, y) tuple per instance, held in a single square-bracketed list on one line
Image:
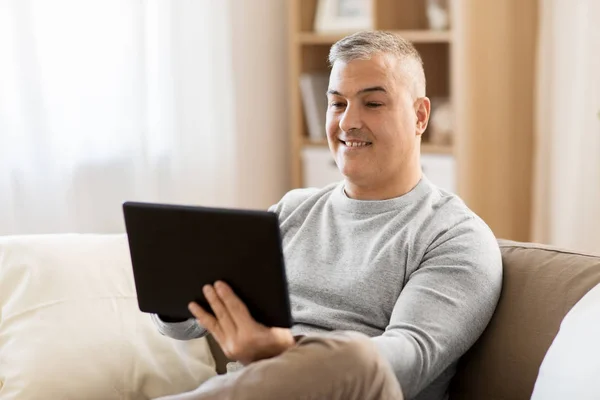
[(445, 305), (184, 330)]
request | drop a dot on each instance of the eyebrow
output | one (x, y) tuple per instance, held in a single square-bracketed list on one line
[(362, 91)]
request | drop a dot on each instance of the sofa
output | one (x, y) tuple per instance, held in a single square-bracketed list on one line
[(70, 327), (541, 284)]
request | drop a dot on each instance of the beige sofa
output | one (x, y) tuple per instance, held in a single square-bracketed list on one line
[(541, 284), (70, 328)]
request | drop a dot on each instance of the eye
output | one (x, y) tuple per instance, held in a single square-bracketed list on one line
[(372, 104), (336, 104)]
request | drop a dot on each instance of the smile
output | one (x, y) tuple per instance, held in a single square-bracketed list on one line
[(355, 143)]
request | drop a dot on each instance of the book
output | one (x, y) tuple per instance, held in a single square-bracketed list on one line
[(313, 88)]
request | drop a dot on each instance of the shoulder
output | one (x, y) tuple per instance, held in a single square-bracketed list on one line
[(448, 212), (453, 228)]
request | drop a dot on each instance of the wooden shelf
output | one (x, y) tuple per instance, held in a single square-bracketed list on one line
[(415, 36), (426, 148)]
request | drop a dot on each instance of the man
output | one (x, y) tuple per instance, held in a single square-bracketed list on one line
[(384, 254)]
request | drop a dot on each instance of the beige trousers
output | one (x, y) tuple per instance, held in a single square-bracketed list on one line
[(336, 366)]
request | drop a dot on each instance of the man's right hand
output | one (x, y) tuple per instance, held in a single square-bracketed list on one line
[(241, 338)]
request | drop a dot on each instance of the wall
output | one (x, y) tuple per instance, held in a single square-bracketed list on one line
[(260, 70)]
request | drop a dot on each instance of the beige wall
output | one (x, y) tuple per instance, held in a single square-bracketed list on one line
[(260, 73)]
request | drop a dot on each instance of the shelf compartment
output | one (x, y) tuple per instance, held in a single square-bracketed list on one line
[(414, 36)]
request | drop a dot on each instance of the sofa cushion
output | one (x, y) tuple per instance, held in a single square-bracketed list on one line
[(540, 285), (571, 367), (70, 327)]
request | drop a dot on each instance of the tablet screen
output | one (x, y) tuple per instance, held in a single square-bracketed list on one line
[(175, 250)]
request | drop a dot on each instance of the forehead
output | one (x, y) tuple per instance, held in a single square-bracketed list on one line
[(380, 70)]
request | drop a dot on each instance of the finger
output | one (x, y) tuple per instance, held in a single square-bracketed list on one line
[(225, 320), (235, 306), (205, 319)]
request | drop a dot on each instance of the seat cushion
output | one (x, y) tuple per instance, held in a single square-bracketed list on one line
[(571, 368), (70, 327), (540, 285)]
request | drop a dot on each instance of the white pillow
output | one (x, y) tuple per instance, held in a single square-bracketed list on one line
[(571, 367), (70, 327)]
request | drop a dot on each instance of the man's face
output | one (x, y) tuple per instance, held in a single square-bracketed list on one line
[(372, 120)]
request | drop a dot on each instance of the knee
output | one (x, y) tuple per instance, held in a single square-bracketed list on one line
[(348, 351), (353, 353), (362, 353)]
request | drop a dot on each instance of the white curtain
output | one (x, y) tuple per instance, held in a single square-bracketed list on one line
[(566, 208), (103, 101)]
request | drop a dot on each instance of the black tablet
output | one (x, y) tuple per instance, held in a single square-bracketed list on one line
[(176, 250)]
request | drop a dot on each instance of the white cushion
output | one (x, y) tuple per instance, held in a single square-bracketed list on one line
[(70, 327), (571, 367)]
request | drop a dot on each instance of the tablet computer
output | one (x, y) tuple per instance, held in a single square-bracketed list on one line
[(176, 250)]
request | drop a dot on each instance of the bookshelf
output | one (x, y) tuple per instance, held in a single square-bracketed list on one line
[(308, 52), (415, 36)]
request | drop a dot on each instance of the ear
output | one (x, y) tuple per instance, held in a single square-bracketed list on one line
[(422, 109)]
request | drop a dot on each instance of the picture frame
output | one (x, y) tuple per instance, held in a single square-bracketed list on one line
[(341, 16)]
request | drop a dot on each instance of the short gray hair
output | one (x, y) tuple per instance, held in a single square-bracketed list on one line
[(363, 45)]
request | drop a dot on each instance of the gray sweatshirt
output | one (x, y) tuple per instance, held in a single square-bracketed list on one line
[(421, 274)]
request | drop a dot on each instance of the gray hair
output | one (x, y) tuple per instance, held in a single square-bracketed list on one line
[(363, 45)]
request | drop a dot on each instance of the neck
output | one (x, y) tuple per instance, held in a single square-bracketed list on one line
[(385, 189)]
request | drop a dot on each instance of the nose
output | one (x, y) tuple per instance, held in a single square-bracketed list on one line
[(351, 118)]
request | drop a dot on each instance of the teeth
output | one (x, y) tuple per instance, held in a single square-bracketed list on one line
[(356, 144)]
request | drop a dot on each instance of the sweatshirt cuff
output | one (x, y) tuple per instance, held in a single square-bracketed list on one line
[(166, 318), (184, 330)]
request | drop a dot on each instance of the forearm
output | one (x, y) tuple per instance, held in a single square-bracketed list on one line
[(407, 359), (185, 330), (415, 360)]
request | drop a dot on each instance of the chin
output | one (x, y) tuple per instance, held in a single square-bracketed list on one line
[(355, 176)]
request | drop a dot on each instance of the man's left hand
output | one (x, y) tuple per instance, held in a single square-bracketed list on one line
[(241, 338)]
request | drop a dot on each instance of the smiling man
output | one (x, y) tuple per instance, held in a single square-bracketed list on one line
[(391, 278), (377, 114)]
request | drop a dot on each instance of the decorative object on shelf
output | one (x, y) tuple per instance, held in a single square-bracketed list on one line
[(313, 87), (437, 14), (336, 16), (441, 123)]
